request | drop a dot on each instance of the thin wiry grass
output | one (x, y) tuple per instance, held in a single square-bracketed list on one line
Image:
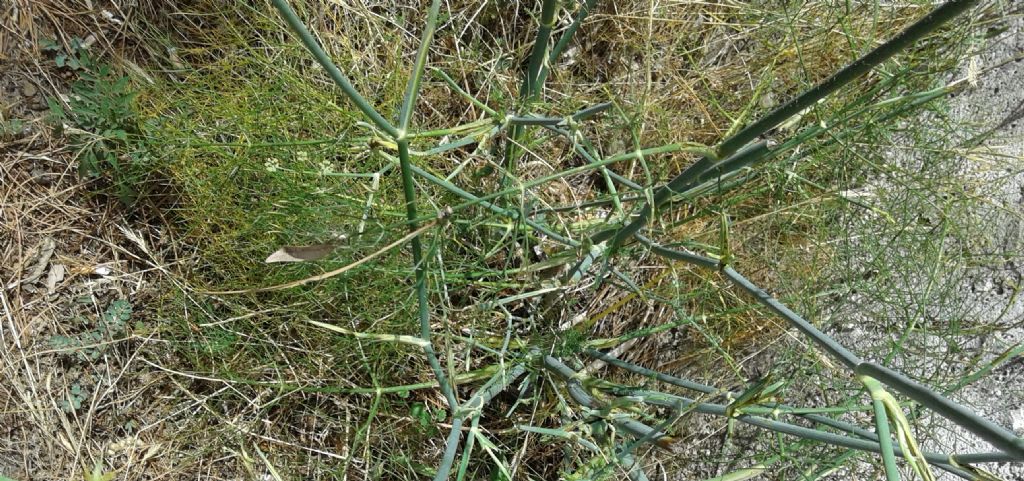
[(473, 259)]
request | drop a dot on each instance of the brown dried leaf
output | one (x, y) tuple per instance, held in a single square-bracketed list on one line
[(301, 253)]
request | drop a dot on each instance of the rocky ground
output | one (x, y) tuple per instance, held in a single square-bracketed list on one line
[(992, 293), (984, 299)]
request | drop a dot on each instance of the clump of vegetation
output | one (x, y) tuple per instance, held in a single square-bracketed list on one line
[(90, 345), (544, 227), (101, 122)]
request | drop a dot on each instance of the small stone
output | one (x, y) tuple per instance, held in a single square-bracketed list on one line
[(28, 89), (41, 176)]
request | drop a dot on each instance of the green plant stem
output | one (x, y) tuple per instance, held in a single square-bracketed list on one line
[(678, 255), (579, 394), (559, 433), (581, 145), (420, 286), (361, 432), (983, 428), (684, 183), (892, 472), (586, 113), (468, 450), (332, 70), (451, 83), (532, 85), (825, 342), (633, 468), (409, 191), (643, 371), (828, 344), (580, 149), (1012, 446), (526, 120), (472, 199), (580, 115), (702, 388), (852, 71), (575, 170), (566, 37), (501, 380), (471, 409), (451, 447), (861, 66), (416, 76), (683, 403), (532, 82)]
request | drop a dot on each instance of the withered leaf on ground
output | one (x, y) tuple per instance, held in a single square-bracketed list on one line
[(301, 253)]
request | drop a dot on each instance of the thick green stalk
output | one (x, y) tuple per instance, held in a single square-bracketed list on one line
[(983, 428), (420, 283), (412, 89), (403, 154), (683, 403), (854, 70), (990, 457), (861, 66), (532, 85), (409, 191), (579, 394), (892, 473), (825, 342), (332, 70), (532, 82), (450, 448), (566, 37)]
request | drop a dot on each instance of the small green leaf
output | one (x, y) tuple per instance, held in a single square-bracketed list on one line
[(418, 412), (56, 109), (48, 45), (97, 474)]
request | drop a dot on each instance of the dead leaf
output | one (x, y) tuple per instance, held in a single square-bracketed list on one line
[(341, 270), (152, 451), (301, 253), (55, 276), (40, 255)]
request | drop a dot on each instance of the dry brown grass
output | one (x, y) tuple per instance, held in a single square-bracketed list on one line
[(66, 255)]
